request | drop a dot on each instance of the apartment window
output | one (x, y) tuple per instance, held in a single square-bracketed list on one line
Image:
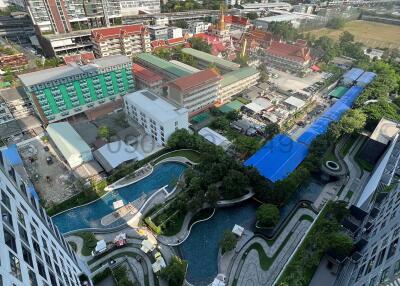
[(5, 199), (15, 266), (373, 281), (36, 247), (380, 257), (23, 234), (32, 278), (41, 269), (7, 218), (26, 253), (393, 248), (385, 275), (9, 239), (33, 230)]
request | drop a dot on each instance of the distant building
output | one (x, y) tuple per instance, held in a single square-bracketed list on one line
[(289, 57), (295, 18), (158, 32), (16, 61), (255, 38), (17, 102), (69, 143), (161, 21), (204, 60), (174, 32), (156, 115), (234, 22), (133, 7), (61, 92), (232, 2), (195, 92), (196, 27), (214, 138), (28, 234), (126, 40), (235, 82), (373, 53), (147, 79), (250, 7), (167, 69)]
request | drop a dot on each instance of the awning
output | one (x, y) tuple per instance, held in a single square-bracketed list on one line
[(315, 68)]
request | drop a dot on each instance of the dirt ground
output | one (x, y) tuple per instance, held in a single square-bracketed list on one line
[(371, 34)]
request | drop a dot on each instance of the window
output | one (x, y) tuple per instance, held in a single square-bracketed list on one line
[(15, 266), (380, 257), (32, 278), (41, 269), (27, 255), (7, 218), (373, 282), (385, 275), (396, 269), (5, 199), (22, 233), (36, 247), (9, 239)]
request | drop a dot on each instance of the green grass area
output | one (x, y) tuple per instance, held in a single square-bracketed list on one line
[(243, 100), (265, 261), (189, 154), (89, 242), (330, 156), (170, 221), (349, 195), (347, 146)]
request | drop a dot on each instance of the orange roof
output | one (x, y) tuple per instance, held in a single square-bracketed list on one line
[(117, 32), (195, 80), (158, 44), (145, 74), (291, 51), (232, 19), (84, 57), (176, 41)]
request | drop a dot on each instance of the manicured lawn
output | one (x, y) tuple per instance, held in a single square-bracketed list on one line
[(89, 242), (371, 34), (189, 154)]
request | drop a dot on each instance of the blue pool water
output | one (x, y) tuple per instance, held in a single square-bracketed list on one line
[(89, 216), (201, 247)]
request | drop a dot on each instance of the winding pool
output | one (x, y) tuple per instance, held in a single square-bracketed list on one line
[(89, 216), (201, 247)]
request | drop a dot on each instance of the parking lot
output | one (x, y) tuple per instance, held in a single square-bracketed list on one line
[(289, 82), (51, 178)]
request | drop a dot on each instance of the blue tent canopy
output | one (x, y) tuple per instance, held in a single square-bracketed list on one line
[(12, 156), (366, 78), (278, 158), (335, 111), (353, 74), (351, 95), (308, 136)]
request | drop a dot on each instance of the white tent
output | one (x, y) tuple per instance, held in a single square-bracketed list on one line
[(147, 246), (158, 265), (214, 137), (101, 246), (238, 230), (217, 282)]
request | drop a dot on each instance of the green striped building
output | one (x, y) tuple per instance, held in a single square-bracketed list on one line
[(61, 92)]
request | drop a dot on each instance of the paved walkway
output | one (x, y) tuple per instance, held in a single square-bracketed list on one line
[(249, 271)]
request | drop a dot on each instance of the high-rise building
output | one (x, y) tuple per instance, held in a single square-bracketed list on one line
[(33, 252), (61, 92), (127, 40)]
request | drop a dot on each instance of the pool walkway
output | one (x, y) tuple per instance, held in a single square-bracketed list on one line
[(249, 271)]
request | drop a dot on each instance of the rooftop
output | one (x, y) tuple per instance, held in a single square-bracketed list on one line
[(295, 52), (385, 131), (233, 19), (185, 66), (294, 101), (119, 31), (72, 69), (211, 59), (196, 80), (161, 109), (12, 94), (145, 74), (159, 63), (240, 74)]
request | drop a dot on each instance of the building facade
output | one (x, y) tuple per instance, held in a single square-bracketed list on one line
[(16, 61), (237, 81), (62, 92), (174, 32), (158, 32), (196, 92), (147, 79), (196, 27), (156, 115), (33, 251), (127, 40)]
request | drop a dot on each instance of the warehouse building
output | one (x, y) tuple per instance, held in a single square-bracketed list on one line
[(69, 143)]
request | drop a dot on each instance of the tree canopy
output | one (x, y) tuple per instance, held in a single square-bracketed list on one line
[(268, 215), (200, 44), (228, 241), (174, 272)]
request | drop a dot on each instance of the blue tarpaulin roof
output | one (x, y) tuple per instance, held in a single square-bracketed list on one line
[(12, 156), (278, 158), (335, 111), (32, 191), (308, 136), (351, 95), (366, 78), (317, 128), (353, 74)]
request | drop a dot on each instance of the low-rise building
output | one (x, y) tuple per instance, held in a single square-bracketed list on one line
[(161, 21), (69, 143), (159, 117), (126, 40), (293, 103), (289, 57), (204, 60), (196, 27), (167, 69), (214, 138), (234, 22), (174, 32), (61, 92), (158, 32), (295, 18), (147, 79), (235, 82), (15, 61), (195, 92), (17, 102)]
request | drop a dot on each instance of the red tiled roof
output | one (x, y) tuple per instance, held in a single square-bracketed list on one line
[(232, 19), (216, 46), (291, 51), (158, 44), (116, 32), (83, 57), (176, 41), (195, 80), (145, 74)]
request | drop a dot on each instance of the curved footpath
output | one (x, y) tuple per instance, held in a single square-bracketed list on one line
[(249, 271)]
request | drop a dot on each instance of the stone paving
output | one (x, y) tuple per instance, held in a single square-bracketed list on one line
[(249, 272)]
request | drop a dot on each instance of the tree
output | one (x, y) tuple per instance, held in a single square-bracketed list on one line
[(252, 15), (233, 115), (220, 123), (241, 60), (336, 23), (340, 244), (352, 121), (228, 241), (246, 145), (182, 24), (174, 272), (234, 184), (271, 130), (200, 44), (285, 30), (268, 215), (212, 195), (346, 37), (105, 132)]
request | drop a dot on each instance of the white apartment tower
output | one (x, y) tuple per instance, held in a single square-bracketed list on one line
[(33, 252)]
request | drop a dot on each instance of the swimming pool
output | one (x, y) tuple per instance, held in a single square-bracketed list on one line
[(89, 216), (201, 247)]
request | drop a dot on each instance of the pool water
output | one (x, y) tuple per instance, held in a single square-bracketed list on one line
[(89, 216), (201, 247)]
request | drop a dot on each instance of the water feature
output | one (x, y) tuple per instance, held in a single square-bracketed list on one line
[(201, 247), (89, 216)]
